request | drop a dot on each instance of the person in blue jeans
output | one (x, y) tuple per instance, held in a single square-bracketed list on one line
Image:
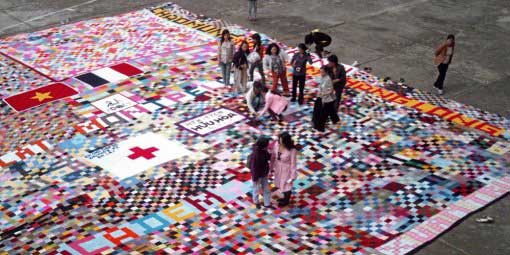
[(259, 168), (225, 55)]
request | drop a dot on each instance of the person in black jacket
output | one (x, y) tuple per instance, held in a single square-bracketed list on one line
[(339, 78), (320, 40), (240, 62), (258, 163)]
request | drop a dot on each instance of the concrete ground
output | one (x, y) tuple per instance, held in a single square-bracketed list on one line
[(395, 37)]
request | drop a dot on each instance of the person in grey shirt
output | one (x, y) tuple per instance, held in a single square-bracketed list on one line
[(325, 103), (298, 63)]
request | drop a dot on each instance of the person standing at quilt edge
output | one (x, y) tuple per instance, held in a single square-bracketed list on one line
[(225, 55), (298, 64), (259, 49), (275, 61), (443, 58), (324, 107), (258, 163), (240, 62), (339, 78), (283, 165), (252, 10)]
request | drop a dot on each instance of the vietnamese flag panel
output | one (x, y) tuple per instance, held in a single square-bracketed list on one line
[(112, 74), (39, 96)]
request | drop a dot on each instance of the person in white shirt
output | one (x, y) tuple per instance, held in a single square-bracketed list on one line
[(225, 55)]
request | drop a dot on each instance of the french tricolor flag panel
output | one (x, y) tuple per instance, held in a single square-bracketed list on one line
[(110, 74)]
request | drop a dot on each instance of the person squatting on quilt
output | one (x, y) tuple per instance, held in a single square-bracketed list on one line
[(261, 100)]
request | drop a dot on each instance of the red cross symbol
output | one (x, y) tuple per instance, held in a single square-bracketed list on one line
[(139, 152)]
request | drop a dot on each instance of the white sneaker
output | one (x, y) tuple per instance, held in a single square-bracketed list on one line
[(440, 91), (355, 64)]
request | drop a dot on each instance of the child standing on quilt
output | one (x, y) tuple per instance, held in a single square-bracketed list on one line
[(225, 55), (241, 67), (283, 165)]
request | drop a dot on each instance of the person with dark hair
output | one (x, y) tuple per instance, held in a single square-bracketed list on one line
[(283, 165), (319, 39), (339, 79), (325, 103), (443, 58), (275, 61), (258, 163), (225, 55), (259, 49), (240, 63), (298, 64), (255, 98)]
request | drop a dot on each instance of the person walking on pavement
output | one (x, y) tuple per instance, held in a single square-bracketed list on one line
[(298, 64), (225, 55), (252, 10), (443, 58)]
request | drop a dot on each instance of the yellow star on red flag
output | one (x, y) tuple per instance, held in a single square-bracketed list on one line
[(42, 96)]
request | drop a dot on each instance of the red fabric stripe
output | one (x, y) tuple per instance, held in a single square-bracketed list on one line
[(126, 69)]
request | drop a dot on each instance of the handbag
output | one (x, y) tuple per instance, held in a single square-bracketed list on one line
[(253, 57)]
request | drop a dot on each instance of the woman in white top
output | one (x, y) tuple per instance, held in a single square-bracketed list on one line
[(225, 55), (443, 58), (275, 61)]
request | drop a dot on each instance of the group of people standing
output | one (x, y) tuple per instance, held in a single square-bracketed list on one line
[(278, 157), (273, 61)]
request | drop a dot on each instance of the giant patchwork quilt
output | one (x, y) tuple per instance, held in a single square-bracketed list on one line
[(118, 137)]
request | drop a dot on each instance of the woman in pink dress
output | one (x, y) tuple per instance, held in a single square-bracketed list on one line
[(283, 165)]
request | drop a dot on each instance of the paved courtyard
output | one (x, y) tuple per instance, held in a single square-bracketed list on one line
[(395, 38)]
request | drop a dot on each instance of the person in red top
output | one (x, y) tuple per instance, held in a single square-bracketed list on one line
[(443, 58)]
